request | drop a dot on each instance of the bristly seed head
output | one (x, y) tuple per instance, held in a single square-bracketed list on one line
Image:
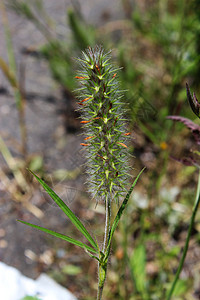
[(104, 125)]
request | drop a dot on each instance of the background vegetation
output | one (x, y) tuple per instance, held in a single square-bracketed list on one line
[(157, 45)]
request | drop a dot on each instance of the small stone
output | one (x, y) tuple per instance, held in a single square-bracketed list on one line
[(3, 244), (30, 254), (47, 257)]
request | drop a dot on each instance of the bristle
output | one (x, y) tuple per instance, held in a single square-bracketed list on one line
[(89, 137), (83, 144), (122, 144), (81, 77), (85, 122), (86, 99)]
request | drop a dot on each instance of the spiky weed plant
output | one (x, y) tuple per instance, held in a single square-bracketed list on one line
[(100, 102), (104, 126)]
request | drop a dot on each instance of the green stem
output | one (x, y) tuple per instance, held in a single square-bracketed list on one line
[(195, 207), (99, 293), (107, 224), (103, 262)]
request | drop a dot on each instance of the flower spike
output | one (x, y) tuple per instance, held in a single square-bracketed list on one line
[(104, 126)]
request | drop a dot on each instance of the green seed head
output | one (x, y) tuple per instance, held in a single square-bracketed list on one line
[(104, 125)]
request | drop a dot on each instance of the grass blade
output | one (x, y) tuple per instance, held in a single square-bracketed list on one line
[(61, 236), (138, 269), (8, 73), (119, 213), (67, 211)]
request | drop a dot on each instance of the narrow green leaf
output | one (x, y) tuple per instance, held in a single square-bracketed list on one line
[(138, 268), (61, 236), (181, 288), (67, 211), (119, 213)]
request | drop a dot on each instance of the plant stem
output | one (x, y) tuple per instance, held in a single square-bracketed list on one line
[(99, 293), (102, 262), (107, 224), (195, 207)]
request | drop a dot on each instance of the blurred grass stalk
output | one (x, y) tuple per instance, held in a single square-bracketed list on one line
[(10, 72), (194, 212)]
